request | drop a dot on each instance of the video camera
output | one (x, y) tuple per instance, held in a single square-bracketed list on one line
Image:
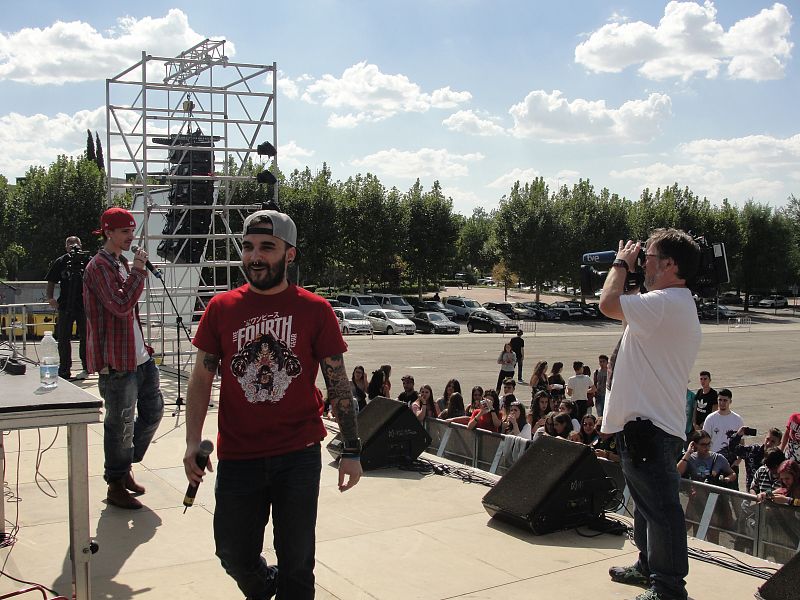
[(711, 273)]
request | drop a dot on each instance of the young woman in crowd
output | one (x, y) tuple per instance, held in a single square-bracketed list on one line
[(538, 380), (424, 406), (568, 406), (605, 446), (455, 407), (556, 382), (475, 399), (505, 405), (508, 363), (358, 386), (789, 493), (588, 430), (539, 408), (515, 423), (452, 386), (488, 416), (378, 385)]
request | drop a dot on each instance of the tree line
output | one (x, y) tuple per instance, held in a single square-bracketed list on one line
[(360, 234)]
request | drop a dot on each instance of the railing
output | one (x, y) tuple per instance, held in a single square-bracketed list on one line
[(740, 323), (729, 518)]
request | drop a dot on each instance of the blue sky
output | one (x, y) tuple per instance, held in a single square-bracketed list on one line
[(473, 93)]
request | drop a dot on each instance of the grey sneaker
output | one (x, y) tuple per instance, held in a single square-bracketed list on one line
[(82, 375), (650, 594), (630, 576)]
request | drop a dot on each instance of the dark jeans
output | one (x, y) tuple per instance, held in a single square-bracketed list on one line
[(659, 527), (581, 407), (134, 406), (245, 491), (519, 368), (64, 335), (600, 405), (502, 377)]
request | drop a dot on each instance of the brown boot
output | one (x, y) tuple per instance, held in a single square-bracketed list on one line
[(120, 497), (131, 485)]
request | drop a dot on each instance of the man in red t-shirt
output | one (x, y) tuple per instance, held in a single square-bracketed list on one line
[(266, 339)]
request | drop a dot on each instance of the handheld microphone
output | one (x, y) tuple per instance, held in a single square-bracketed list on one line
[(204, 450), (147, 263)]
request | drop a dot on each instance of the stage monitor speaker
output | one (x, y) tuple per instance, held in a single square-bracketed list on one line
[(784, 584), (556, 484), (390, 435)]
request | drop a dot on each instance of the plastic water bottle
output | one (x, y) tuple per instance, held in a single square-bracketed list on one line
[(48, 367)]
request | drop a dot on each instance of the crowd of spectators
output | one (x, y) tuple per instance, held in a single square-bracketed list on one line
[(715, 448)]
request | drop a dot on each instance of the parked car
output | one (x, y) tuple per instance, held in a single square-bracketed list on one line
[(352, 320), (390, 322), (588, 311), (434, 322), (463, 307), (362, 302), (502, 307), (335, 303), (525, 312), (492, 321), (545, 313), (433, 305), (754, 299), (567, 312), (730, 298), (394, 302), (709, 310), (774, 301)]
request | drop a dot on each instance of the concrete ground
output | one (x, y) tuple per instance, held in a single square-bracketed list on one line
[(397, 534)]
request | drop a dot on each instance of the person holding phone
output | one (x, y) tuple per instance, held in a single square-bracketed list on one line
[(488, 415)]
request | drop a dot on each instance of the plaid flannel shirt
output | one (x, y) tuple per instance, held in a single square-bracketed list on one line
[(110, 303)]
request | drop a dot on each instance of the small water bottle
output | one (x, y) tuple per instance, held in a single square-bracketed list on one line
[(48, 367)]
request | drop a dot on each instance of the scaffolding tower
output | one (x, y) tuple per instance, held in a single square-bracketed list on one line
[(180, 134)]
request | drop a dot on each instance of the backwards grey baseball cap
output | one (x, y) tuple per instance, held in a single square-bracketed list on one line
[(271, 222)]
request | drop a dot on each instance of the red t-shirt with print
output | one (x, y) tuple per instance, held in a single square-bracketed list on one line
[(270, 347)]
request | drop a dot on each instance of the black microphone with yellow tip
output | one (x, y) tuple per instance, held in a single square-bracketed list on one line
[(147, 263), (203, 451)]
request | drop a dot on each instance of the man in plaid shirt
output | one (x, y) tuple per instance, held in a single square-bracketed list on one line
[(115, 348)]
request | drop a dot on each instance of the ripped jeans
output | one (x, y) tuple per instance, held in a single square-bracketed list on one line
[(133, 406)]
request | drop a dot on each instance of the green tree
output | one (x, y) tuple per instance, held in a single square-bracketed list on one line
[(477, 245), (431, 247), (766, 244), (101, 163), (90, 154), (528, 230), (65, 199)]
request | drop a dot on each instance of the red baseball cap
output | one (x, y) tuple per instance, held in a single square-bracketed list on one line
[(115, 218)]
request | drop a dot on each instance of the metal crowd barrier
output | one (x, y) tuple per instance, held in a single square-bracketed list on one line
[(729, 518)]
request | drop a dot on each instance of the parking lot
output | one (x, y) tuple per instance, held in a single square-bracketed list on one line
[(759, 365)]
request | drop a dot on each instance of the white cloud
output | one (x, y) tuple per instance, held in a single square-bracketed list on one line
[(467, 121), (425, 162), (38, 139), (364, 94), (76, 51), (551, 117), (689, 41), (753, 152), (705, 182), (465, 201), (505, 181), (288, 88), (292, 156)]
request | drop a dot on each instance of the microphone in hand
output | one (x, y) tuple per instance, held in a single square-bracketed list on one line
[(201, 458), (147, 263)]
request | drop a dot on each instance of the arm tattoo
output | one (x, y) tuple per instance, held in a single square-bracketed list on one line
[(339, 395), (211, 362)]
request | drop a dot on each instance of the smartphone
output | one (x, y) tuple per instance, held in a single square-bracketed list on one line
[(750, 431)]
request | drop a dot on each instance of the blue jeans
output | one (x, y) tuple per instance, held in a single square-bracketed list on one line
[(245, 491), (599, 405), (659, 526), (134, 406)]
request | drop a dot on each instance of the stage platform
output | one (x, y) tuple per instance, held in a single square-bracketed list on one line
[(396, 535)]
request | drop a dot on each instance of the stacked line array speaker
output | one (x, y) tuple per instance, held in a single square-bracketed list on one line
[(186, 193), (784, 584), (390, 435), (556, 484)]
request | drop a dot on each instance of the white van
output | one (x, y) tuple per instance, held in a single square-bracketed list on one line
[(395, 302)]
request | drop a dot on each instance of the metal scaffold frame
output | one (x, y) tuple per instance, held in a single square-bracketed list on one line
[(234, 105)]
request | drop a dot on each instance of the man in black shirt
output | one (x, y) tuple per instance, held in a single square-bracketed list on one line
[(67, 271), (705, 400), (409, 394), (518, 347)]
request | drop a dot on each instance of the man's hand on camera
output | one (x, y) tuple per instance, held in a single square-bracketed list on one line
[(52, 302), (629, 252)]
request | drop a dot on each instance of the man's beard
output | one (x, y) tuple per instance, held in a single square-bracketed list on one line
[(651, 277), (268, 278)]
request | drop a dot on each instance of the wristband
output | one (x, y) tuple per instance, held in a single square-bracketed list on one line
[(351, 456), (618, 262), (683, 460)]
